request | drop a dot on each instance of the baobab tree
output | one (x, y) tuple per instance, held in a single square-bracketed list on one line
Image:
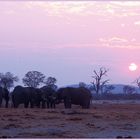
[(7, 80), (51, 82), (33, 79), (98, 81)]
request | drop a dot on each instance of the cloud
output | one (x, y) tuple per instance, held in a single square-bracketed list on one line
[(113, 40), (57, 8), (137, 23), (117, 42), (126, 3), (82, 8)]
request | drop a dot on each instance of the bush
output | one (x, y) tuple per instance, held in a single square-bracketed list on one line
[(117, 97)]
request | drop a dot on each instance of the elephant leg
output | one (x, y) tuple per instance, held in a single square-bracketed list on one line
[(53, 105), (67, 103), (31, 104), (6, 104), (67, 106), (0, 102), (13, 102), (7, 101), (37, 104), (88, 104), (15, 105), (26, 104), (48, 104), (43, 104)]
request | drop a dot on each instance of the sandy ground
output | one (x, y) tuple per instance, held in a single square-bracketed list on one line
[(103, 120)]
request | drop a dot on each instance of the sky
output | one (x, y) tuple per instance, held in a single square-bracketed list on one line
[(68, 40)]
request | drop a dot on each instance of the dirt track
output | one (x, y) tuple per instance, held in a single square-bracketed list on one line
[(101, 121)]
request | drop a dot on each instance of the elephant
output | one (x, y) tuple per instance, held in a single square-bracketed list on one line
[(23, 95), (49, 95), (40, 98), (78, 96), (4, 93)]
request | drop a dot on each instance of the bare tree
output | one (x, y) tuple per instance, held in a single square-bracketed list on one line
[(51, 82), (128, 89), (98, 81), (103, 84), (7, 80), (137, 81), (33, 79)]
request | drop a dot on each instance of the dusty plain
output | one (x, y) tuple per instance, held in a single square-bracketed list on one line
[(103, 120)]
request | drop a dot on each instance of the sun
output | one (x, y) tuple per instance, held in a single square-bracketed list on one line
[(133, 67)]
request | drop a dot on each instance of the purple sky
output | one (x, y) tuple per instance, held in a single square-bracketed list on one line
[(68, 40)]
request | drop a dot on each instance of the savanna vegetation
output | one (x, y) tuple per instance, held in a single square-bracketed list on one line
[(41, 91)]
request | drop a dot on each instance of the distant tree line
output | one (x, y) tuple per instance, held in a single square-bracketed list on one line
[(99, 84), (40, 89)]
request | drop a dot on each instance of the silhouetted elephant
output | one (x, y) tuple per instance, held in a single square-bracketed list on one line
[(49, 95), (23, 95), (4, 94), (40, 98), (78, 96)]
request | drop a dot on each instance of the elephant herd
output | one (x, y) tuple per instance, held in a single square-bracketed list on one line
[(46, 97)]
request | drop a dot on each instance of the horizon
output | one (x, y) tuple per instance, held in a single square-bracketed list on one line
[(68, 40)]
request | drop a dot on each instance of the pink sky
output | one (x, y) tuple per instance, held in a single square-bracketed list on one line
[(68, 40)]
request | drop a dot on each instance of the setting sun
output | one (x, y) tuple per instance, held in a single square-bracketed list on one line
[(133, 67)]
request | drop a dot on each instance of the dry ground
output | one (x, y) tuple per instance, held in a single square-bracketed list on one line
[(103, 120)]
